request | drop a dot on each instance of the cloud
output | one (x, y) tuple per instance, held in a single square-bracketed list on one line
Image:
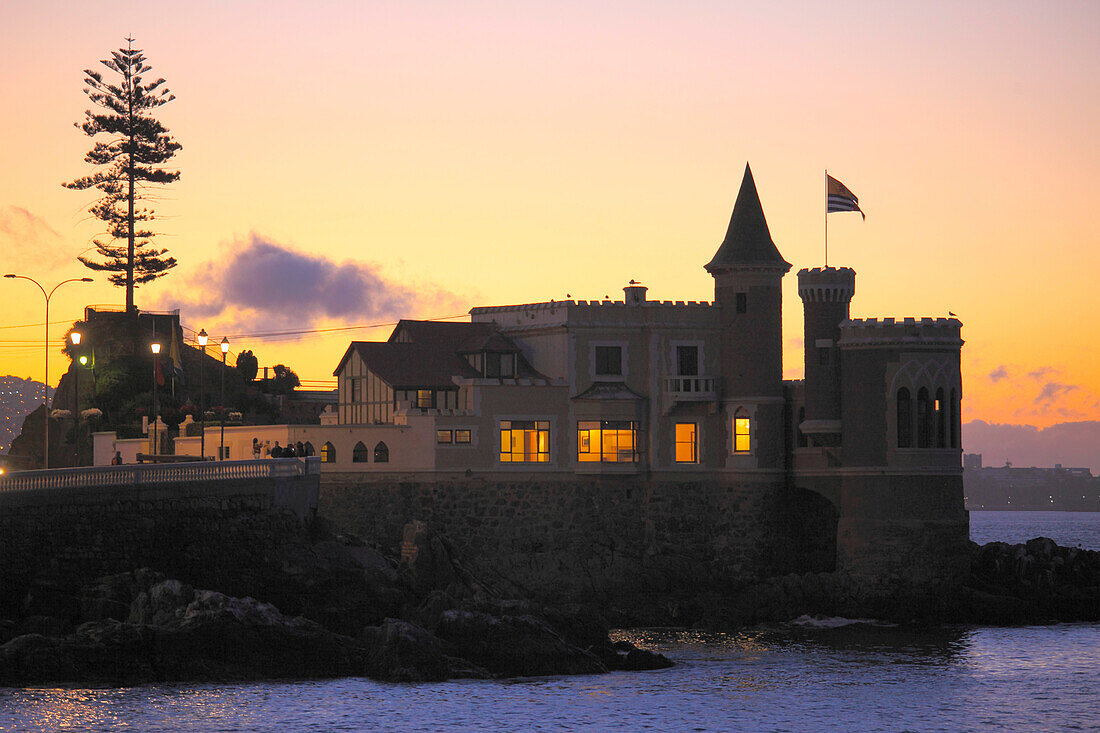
[(1069, 443), (998, 374), (265, 286), (1040, 373), (1052, 391), (26, 238)]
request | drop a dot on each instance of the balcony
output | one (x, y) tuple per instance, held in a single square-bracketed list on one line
[(691, 389)]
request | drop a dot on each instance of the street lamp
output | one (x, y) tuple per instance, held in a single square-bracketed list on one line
[(74, 337), (156, 353), (203, 339), (46, 346), (225, 350)]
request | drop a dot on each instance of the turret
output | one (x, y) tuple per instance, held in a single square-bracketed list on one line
[(748, 275), (826, 294)]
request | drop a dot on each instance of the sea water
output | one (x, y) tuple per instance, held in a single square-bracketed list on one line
[(812, 674)]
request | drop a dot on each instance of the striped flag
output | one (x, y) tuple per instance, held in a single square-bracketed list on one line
[(840, 198)]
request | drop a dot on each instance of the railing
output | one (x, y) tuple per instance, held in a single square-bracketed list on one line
[(692, 388), (163, 473)]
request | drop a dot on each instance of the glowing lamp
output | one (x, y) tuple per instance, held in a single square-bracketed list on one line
[(155, 347), (83, 360), (203, 338), (75, 337), (225, 345)]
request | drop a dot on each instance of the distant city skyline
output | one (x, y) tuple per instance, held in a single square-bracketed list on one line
[(347, 164)]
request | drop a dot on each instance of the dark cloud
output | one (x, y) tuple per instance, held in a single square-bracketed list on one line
[(1069, 443), (1052, 391), (998, 374), (263, 285), (1042, 372)]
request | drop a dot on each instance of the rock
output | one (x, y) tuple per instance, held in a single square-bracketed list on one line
[(513, 645), (404, 652)]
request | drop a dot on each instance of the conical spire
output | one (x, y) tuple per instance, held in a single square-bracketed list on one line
[(748, 241)]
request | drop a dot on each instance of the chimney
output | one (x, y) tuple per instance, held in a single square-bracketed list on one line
[(635, 293)]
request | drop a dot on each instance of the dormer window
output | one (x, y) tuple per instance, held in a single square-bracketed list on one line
[(499, 365)]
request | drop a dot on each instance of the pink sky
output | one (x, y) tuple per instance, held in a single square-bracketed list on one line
[(487, 153)]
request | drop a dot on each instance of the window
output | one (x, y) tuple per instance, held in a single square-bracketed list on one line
[(328, 453), (687, 361), (381, 453), (444, 436), (356, 390), (462, 436), (309, 449), (905, 419), (425, 398), (609, 361), (607, 441), (500, 365), (524, 441), (952, 418), (741, 430), (686, 446), (359, 453), (941, 419), (924, 419), (742, 302), (823, 355)]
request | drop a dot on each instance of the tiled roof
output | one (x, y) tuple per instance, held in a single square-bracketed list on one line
[(748, 241)]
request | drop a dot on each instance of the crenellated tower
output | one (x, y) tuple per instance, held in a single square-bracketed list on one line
[(826, 294), (748, 276)]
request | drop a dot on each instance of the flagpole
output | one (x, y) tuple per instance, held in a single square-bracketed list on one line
[(826, 217)]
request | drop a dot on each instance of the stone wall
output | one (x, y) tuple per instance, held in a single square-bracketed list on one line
[(222, 533), (626, 543)]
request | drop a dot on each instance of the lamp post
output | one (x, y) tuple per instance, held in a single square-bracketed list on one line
[(46, 347), (74, 337), (225, 350), (156, 415), (203, 338)]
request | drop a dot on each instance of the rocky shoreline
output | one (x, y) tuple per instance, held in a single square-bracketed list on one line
[(362, 613), (358, 611)]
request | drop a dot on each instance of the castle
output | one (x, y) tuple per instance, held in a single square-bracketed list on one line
[(648, 393)]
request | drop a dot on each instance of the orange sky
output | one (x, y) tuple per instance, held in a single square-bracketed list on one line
[(500, 152)]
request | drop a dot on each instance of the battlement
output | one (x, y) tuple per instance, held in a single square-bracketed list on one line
[(826, 284), (554, 304), (934, 332)]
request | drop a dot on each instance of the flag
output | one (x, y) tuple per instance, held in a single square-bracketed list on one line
[(174, 356), (840, 198)]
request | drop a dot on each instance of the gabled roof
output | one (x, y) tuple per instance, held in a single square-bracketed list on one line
[(428, 354), (404, 365), (748, 241)]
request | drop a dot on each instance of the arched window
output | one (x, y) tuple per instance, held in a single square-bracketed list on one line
[(328, 453), (952, 419), (309, 449), (359, 453), (381, 453), (924, 419), (741, 430), (941, 419), (798, 428), (905, 419)]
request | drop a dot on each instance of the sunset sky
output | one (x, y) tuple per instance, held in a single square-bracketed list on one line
[(350, 163)]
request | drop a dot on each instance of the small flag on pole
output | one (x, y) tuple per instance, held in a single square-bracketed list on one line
[(840, 198)]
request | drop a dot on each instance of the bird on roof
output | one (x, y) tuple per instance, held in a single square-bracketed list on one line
[(951, 314), (633, 282)]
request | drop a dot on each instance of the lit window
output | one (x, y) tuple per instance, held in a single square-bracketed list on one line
[(686, 451), (606, 441), (444, 436), (524, 441), (741, 429), (609, 360), (425, 398), (462, 436), (359, 453), (328, 453)]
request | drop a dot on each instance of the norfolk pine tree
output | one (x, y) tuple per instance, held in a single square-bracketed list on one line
[(129, 162)]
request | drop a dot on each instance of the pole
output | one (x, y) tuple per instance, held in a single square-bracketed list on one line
[(76, 412), (156, 448), (221, 448), (202, 410), (46, 349), (826, 217)]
